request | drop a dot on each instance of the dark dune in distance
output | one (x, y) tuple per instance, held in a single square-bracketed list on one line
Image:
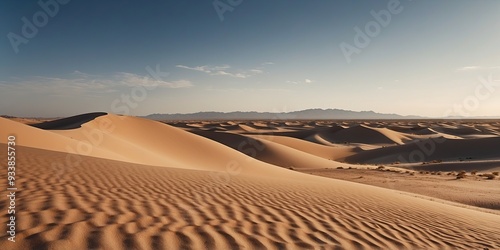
[(69, 122)]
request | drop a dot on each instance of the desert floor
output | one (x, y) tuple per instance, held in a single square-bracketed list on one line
[(473, 191), (103, 181)]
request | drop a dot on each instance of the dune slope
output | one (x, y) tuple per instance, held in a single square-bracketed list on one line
[(432, 149), (139, 141), (106, 204), (146, 185), (278, 154)]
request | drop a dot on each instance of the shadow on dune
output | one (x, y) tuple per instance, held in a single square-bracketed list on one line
[(246, 145), (431, 149), (72, 122)]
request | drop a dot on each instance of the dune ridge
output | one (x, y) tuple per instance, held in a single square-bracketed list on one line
[(139, 141), (130, 206), (410, 143), (69, 122), (149, 185)]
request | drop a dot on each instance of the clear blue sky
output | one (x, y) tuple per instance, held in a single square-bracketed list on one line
[(262, 56)]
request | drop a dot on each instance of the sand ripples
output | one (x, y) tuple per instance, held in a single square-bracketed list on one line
[(104, 204)]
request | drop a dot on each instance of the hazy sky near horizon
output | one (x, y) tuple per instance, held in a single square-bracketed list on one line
[(86, 56)]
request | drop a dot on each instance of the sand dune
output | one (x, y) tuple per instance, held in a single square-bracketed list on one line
[(128, 206), (147, 185), (457, 130), (416, 143), (474, 191), (68, 123), (126, 139), (330, 153), (271, 152), (431, 149), (43, 139), (364, 134)]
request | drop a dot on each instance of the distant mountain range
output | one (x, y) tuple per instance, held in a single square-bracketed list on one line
[(308, 114)]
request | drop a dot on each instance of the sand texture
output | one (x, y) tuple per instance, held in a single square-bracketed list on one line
[(103, 181)]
